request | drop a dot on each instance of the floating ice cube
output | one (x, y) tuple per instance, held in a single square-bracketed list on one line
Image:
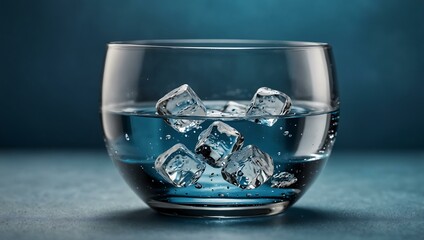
[(215, 113), (282, 180), (248, 168), (230, 109), (179, 166), (218, 141), (181, 101), (235, 109), (268, 102)]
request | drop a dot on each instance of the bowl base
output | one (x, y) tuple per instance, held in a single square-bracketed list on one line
[(216, 210)]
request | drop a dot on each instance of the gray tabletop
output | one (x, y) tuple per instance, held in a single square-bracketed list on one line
[(79, 195)]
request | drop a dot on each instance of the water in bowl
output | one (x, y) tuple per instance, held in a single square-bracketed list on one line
[(299, 144)]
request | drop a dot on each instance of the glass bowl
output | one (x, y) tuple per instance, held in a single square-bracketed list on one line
[(219, 128)]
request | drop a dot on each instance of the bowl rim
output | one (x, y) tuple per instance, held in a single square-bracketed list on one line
[(216, 44)]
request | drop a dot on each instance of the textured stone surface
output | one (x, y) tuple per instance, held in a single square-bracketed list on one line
[(79, 195)]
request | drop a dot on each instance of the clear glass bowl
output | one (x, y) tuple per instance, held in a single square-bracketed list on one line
[(139, 73)]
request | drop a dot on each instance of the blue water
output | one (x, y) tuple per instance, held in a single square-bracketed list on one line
[(299, 143)]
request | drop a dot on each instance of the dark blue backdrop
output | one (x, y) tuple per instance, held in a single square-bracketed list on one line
[(52, 54)]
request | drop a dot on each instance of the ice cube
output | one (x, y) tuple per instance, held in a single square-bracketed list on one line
[(181, 101), (179, 166), (217, 141), (268, 102), (248, 168), (282, 180), (235, 109), (215, 113)]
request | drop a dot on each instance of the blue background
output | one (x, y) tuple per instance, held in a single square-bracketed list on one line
[(52, 54)]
